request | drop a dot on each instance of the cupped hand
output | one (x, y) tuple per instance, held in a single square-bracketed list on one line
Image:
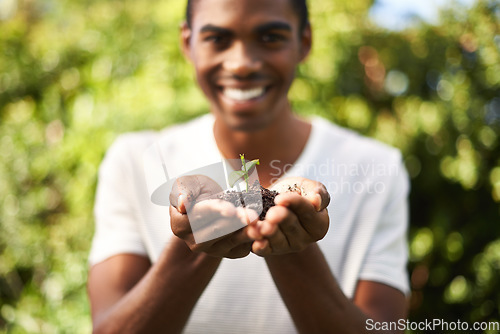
[(208, 224), (299, 218)]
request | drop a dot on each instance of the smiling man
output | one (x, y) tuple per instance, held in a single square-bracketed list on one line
[(245, 59), (287, 273)]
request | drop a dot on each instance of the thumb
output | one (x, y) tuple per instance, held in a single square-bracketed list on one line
[(316, 193), (184, 189), (181, 204)]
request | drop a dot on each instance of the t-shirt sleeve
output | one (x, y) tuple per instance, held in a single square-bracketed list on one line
[(387, 255), (116, 223)]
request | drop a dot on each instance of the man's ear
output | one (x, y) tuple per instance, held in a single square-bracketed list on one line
[(305, 42), (185, 36)]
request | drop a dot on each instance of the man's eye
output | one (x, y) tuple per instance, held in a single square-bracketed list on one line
[(272, 38), (217, 39)]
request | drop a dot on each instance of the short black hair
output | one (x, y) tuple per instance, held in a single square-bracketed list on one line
[(300, 7)]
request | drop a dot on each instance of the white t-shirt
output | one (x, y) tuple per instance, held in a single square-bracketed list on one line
[(366, 240)]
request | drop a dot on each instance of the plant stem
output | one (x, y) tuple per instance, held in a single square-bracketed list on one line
[(244, 165)]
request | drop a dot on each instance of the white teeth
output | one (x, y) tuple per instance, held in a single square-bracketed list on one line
[(243, 95)]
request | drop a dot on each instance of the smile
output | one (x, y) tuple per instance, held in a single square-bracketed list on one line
[(242, 95)]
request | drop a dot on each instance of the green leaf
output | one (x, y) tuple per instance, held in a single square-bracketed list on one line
[(235, 176), (249, 165)]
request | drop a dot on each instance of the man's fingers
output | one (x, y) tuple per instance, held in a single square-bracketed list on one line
[(231, 241), (234, 245), (297, 203), (181, 204), (246, 215), (216, 229), (206, 219), (211, 219), (262, 247), (186, 186), (179, 223), (215, 218), (211, 208), (315, 223), (194, 188), (316, 200), (314, 191), (275, 217), (295, 234), (239, 251)]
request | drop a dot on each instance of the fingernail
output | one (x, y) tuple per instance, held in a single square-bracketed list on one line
[(259, 225), (278, 200), (318, 202), (263, 245), (253, 233), (266, 229), (181, 203), (252, 215)]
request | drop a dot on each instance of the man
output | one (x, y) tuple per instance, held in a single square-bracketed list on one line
[(147, 279)]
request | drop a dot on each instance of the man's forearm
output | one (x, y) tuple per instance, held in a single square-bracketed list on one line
[(164, 298), (312, 295)]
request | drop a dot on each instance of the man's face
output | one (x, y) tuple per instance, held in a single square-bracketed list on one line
[(245, 53)]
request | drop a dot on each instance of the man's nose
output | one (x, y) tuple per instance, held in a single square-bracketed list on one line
[(242, 60)]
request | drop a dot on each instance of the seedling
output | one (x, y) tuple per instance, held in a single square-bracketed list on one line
[(244, 172)]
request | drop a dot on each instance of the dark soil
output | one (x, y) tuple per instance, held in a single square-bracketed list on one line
[(251, 199)]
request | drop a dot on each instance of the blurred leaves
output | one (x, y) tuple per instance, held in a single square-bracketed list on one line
[(432, 91), (73, 75)]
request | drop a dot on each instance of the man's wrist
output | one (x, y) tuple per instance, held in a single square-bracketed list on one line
[(291, 257), (186, 255)]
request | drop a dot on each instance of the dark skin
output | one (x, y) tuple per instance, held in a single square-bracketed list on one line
[(236, 44)]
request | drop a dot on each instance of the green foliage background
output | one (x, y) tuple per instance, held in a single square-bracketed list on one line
[(75, 74)]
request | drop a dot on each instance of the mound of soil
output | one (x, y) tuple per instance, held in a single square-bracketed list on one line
[(251, 199)]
